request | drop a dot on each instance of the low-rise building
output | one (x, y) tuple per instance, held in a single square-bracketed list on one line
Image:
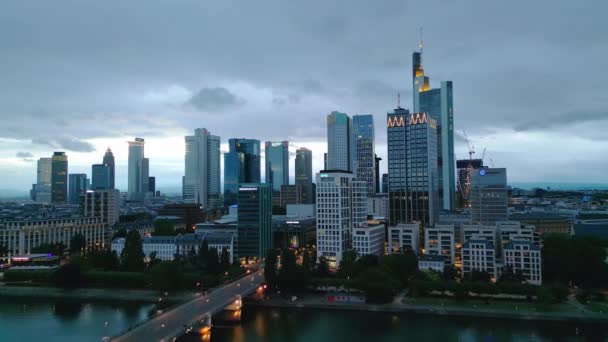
[(431, 263), (369, 240), (439, 240), (377, 206), (524, 256), (546, 223), (404, 237), (478, 254)]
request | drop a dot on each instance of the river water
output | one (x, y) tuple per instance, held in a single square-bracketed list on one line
[(55, 321)]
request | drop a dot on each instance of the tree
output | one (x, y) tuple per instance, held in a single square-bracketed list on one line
[(365, 262), (103, 259), (121, 233), (56, 249), (68, 276), (164, 227), (307, 261), (347, 264), (203, 254), (3, 250), (77, 243), (323, 267), (450, 273), (154, 260), (401, 266), (213, 261), (270, 268), (287, 273), (478, 275), (377, 285), (132, 255), (510, 276), (166, 276), (225, 259)]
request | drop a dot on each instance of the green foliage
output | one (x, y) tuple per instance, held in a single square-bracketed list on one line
[(77, 243), (68, 276), (322, 267), (164, 227), (270, 268), (377, 285), (37, 276), (225, 259), (347, 265), (165, 276), (450, 273), (401, 266), (213, 262), (121, 233), (116, 279), (3, 250), (477, 275), (291, 278), (509, 276), (154, 260), (203, 254), (56, 249), (132, 255)]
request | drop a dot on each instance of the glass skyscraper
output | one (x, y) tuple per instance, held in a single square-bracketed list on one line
[(277, 164), (59, 178), (241, 165), (438, 103), (254, 222), (41, 191), (137, 171), (303, 170), (364, 151), (412, 168), (489, 198), (77, 185), (201, 183), (339, 142), (101, 177), (108, 159)]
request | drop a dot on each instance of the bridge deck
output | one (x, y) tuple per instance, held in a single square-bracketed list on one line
[(170, 324)]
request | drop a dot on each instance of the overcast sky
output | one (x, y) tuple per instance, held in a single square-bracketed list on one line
[(530, 78)]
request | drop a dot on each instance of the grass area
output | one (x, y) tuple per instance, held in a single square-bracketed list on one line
[(598, 307), (493, 304)]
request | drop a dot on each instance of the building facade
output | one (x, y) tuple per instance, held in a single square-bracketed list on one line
[(77, 185), (254, 223), (103, 204), (303, 169), (277, 164), (108, 159), (525, 257), (464, 168), (440, 240), (41, 191), (137, 171), (241, 165), (339, 142), (478, 254), (489, 198), (201, 182), (101, 177), (59, 178), (404, 237), (369, 240), (365, 151)]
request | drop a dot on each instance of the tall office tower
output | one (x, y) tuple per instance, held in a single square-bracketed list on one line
[(364, 151), (377, 173), (325, 161), (277, 164), (103, 204), (77, 185), (489, 197), (304, 173), (152, 185), (412, 168), (463, 190), (341, 207), (59, 177), (202, 171), (241, 165), (41, 191), (385, 183), (136, 190), (101, 177), (339, 142), (254, 222), (145, 177), (108, 159), (437, 102)]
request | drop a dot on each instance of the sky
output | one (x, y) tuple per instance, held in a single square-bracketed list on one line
[(530, 78)]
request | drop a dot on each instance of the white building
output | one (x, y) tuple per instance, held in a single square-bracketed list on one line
[(104, 204), (20, 237), (525, 257), (440, 241), (341, 206), (404, 236), (201, 183), (478, 254), (377, 206), (431, 263), (137, 171), (470, 231), (514, 230), (369, 240)]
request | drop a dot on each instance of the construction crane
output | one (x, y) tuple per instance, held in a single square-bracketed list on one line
[(471, 148), (483, 154)]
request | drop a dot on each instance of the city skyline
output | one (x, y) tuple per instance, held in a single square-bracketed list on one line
[(490, 102)]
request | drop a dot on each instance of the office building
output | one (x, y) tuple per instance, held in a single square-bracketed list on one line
[(41, 191), (440, 240), (489, 197), (545, 223), (241, 165), (478, 231), (341, 207), (254, 225), (364, 156), (412, 168), (77, 185), (138, 171), (59, 177), (377, 206), (524, 256), (434, 263), (478, 254), (464, 168), (377, 173), (103, 204), (303, 169), (108, 159), (190, 213), (201, 183), (101, 177), (438, 103), (290, 194), (145, 177), (369, 240), (339, 142), (277, 164), (385, 183), (404, 237), (152, 185)]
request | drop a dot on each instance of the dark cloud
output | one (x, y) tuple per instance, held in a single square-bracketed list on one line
[(66, 143), (212, 99), (24, 155), (563, 120)]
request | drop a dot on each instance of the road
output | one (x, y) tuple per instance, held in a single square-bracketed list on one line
[(173, 323)]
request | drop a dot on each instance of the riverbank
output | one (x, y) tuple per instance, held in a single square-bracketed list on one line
[(94, 294), (564, 312)]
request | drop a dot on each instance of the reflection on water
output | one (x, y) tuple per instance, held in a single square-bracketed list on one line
[(277, 325), (67, 310)]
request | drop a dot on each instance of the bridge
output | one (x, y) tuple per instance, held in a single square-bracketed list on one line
[(197, 312)]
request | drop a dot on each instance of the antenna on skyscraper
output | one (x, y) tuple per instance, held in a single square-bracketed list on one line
[(398, 100), (420, 43)]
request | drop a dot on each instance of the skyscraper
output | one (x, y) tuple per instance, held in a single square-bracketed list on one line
[(464, 168), (364, 151), (377, 173), (339, 142), (412, 168), (41, 191), (438, 103), (489, 197), (145, 177), (59, 177), (241, 165), (303, 169), (77, 186), (108, 159), (254, 222), (385, 183), (101, 177), (152, 185), (202, 169), (136, 190), (277, 164), (341, 207)]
